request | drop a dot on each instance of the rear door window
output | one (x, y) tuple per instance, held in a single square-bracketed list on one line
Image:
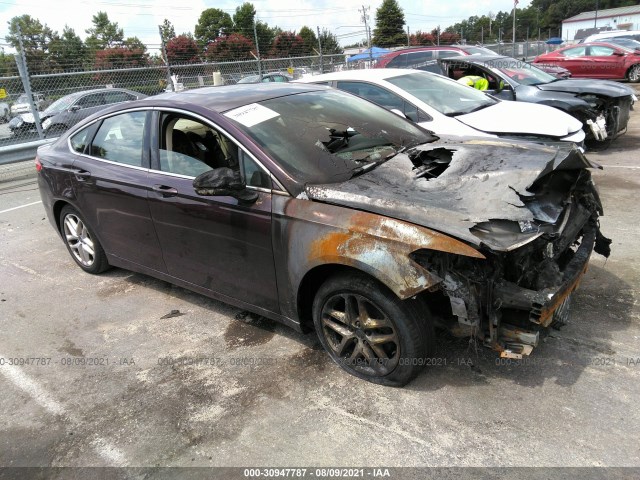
[(120, 139)]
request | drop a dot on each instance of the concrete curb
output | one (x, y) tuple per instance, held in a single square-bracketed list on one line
[(17, 171)]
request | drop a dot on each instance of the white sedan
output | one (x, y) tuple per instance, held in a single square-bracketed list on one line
[(450, 108)]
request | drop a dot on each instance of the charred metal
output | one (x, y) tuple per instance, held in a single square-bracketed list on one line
[(531, 212)]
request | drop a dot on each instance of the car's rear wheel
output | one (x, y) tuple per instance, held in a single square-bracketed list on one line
[(371, 333), (634, 74), (82, 242)]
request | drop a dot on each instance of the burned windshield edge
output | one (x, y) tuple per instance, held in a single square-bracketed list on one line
[(323, 137)]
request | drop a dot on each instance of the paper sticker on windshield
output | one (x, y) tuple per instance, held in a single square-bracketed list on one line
[(251, 115)]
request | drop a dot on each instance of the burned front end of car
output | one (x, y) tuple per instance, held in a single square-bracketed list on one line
[(526, 214), (532, 266)]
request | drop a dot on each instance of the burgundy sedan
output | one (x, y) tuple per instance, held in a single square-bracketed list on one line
[(596, 60), (318, 209)]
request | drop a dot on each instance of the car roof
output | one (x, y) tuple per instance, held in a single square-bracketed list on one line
[(222, 98), (480, 59), (98, 90), (367, 74)]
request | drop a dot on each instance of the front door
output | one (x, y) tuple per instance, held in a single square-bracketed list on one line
[(215, 242)]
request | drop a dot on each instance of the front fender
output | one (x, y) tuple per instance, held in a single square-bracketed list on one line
[(313, 234)]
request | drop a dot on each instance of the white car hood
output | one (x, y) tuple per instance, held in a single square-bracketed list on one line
[(522, 118)]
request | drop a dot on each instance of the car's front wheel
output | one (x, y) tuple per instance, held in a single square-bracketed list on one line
[(634, 74), (82, 242), (371, 333)]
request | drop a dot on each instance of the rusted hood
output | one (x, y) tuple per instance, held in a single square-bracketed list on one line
[(463, 184)]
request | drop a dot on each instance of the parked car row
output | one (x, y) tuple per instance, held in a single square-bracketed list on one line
[(449, 108)]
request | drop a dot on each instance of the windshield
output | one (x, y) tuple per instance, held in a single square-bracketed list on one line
[(520, 72), (326, 136), (60, 104), (22, 98), (442, 94)]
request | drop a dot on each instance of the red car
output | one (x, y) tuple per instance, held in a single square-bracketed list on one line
[(596, 60)]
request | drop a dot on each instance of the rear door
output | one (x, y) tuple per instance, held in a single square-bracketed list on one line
[(214, 242), (109, 180)]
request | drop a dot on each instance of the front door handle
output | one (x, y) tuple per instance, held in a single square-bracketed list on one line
[(165, 190)]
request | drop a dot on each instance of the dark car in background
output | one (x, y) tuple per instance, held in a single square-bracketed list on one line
[(602, 106), (426, 58), (267, 78), (596, 60), (351, 220), (70, 109)]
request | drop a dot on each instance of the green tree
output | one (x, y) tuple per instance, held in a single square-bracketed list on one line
[(68, 50), (104, 33), (8, 66), (36, 39), (309, 40), (212, 23), (167, 31), (266, 36), (330, 44), (389, 30), (243, 19)]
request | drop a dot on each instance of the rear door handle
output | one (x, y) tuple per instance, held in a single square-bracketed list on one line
[(81, 175), (165, 190)]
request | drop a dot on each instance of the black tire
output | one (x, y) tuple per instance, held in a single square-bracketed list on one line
[(371, 333), (633, 74), (82, 243)]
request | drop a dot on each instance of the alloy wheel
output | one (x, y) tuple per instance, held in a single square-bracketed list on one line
[(79, 240), (360, 334)]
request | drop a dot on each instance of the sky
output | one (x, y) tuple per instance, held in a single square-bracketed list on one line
[(141, 18)]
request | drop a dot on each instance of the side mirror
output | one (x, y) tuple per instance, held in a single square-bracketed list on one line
[(74, 108), (223, 182), (619, 54)]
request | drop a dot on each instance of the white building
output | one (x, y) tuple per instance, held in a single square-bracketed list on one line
[(622, 18)]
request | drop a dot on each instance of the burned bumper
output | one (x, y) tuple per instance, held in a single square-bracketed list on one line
[(542, 308)]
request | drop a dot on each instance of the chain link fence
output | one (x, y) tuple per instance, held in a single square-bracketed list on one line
[(37, 107)]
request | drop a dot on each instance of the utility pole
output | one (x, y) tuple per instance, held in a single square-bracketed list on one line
[(408, 37), (166, 59), (595, 21), (367, 29), (320, 51), (438, 34)]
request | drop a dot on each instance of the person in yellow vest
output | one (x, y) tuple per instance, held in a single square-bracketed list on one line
[(474, 81)]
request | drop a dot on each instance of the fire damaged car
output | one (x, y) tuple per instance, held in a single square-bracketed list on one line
[(321, 210), (602, 106)]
